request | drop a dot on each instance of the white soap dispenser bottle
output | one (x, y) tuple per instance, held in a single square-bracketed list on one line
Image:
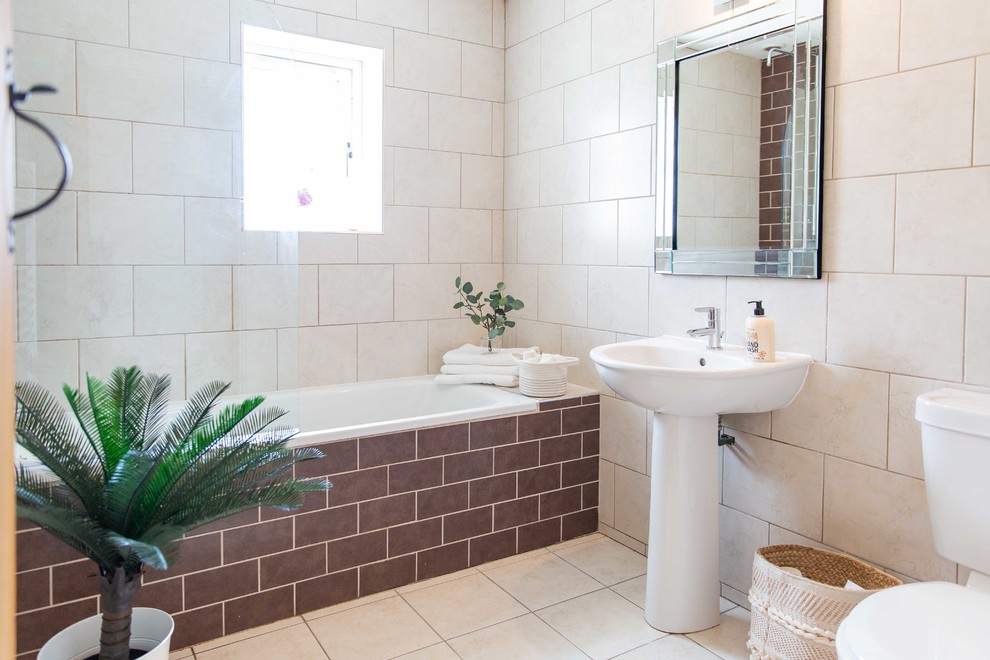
[(759, 335)]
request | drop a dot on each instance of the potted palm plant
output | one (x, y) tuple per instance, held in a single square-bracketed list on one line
[(120, 483)]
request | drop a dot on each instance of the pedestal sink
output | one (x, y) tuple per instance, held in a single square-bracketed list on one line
[(688, 387)]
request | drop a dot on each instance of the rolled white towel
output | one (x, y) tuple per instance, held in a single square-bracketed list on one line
[(472, 354), (473, 369), (479, 379)]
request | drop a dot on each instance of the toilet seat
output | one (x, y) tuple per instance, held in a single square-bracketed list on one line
[(923, 621)]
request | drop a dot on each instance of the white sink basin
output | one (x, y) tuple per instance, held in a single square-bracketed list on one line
[(681, 376)]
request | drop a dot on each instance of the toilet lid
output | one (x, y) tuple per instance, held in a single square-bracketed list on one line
[(924, 620)]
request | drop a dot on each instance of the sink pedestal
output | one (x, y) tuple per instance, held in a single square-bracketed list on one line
[(682, 582)]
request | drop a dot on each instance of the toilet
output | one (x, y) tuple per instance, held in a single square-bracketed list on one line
[(936, 620)]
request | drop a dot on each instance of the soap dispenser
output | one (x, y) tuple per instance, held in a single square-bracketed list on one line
[(759, 335)]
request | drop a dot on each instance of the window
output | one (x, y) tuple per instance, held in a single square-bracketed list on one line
[(312, 134)]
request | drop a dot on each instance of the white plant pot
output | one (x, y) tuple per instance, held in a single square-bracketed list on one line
[(151, 631)]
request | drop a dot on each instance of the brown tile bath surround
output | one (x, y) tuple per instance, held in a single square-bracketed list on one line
[(428, 502)]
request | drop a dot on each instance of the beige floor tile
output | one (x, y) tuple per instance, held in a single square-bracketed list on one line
[(440, 579), (498, 563), (180, 654), (605, 560), (671, 647), (602, 624), (246, 634), (462, 606), (292, 642), (523, 638), (728, 639), (542, 581), (436, 652), (383, 629), (578, 541), (633, 590), (348, 605)]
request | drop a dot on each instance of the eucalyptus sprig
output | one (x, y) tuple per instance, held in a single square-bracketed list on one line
[(501, 303)]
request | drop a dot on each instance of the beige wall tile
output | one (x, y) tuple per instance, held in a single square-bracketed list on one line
[(405, 239), (498, 129), (614, 297), (674, 299), (212, 94), (511, 128), (563, 294), (540, 235), (564, 172), (981, 120), (606, 492), (194, 28), (638, 93), (213, 234), (467, 20), (977, 366), (874, 323), (49, 238), (798, 308), (578, 342), (535, 16), (101, 21), (163, 297), (346, 8), (625, 433), (408, 14), (356, 294), (124, 83), (591, 105), (74, 302), (565, 52), (753, 423), (247, 360), (522, 180), (311, 357), (170, 160), (317, 248), (620, 164), (839, 411), (869, 139), (275, 296), (632, 503), (428, 63), (365, 34), (932, 33), (620, 32), (858, 225), (427, 178), (460, 235), (573, 8), (425, 291), (591, 233), (541, 119), (863, 40), (260, 13), (940, 226), (739, 536), (522, 69), (406, 344), (163, 354), (130, 229), (50, 59), (448, 334), (51, 364), (774, 482), (894, 510), (481, 182), (458, 124), (100, 148), (482, 72), (407, 116), (523, 280), (637, 231)]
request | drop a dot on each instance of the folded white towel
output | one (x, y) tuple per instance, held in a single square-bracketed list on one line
[(492, 370), (480, 379), (472, 354)]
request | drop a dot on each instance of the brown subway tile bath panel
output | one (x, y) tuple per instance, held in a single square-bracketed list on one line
[(416, 536), (490, 547), (580, 471), (493, 432), (589, 495), (356, 486), (256, 540), (326, 525), (195, 554), (33, 589), (415, 475), (37, 627), (164, 594), (37, 548), (489, 490), (474, 522), (561, 448), (249, 517), (590, 443), (539, 480), (517, 457), (388, 574), (442, 440), (517, 512), (220, 584), (558, 502), (469, 465), (340, 456), (195, 626), (79, 579), (293, 566), (386, 449), (539, 535), (325, 591), (257, 610), (579, 524), (539, 425), (386, 512), (442, 560), (582, 418), (439, 501), (356, 550)]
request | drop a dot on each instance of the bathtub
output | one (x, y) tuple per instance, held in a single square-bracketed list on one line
[(334, 412)]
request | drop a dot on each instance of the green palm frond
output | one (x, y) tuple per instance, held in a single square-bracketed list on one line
[(121, 484)]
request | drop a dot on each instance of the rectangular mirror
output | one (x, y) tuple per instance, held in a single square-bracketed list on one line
[(739, 145)]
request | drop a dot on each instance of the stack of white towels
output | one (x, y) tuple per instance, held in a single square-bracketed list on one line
[(469, 364)]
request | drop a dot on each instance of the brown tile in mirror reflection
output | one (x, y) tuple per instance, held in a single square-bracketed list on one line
[(590, 443), (492, 432), (356, 486), (37, 548), (474, 522), (385, 449), (580, 471), (442, 440), (257, 540), (194, 554), (469, 465), (164, 594), (438, 501), (76, 580), (386, 512), (33, 589), (325, 591), (197, 626), (517, 512), (539, 480), (492, 546), (560, 448), (539, 534), (517, 457), (582, 418), (404, 539), (442, 560), (36, 628), (221, 583), (257, 610), (356, 550), (339, 456), (539, 425), (326, 525), (580, 523), (558, 502), (293, 566), (489, 490), (415, 475), (388, 574)]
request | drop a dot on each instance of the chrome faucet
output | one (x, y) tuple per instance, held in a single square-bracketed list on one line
[(713, 330)]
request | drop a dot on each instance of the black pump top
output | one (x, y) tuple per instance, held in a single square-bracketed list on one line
[(759, 307)]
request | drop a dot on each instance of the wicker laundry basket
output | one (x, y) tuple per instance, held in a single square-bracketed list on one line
[(796, 617)]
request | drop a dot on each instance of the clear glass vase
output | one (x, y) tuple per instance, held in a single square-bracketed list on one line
[(490, 345)]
